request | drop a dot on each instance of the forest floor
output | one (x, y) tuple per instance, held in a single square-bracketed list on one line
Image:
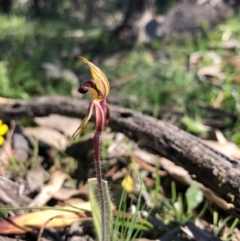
[(193, 84)]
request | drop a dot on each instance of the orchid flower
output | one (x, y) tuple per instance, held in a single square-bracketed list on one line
[(99, 89)]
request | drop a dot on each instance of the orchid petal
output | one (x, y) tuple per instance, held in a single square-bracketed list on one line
[(100, 117), (85, 121), (99, 79), (106, 111), (107, 116)]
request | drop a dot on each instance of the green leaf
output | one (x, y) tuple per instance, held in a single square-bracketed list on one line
[(194, 197), (193, 126), (4, 78), (3, 212), (96, 209)]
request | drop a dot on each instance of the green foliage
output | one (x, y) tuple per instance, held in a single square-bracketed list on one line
[(129, 226), (4, 212), (25, 44), (96, 209), (221, 224), (15, 26), (4, 79), (172, 212), (192, 126), (181, 209), (194, 197), (16, 167)]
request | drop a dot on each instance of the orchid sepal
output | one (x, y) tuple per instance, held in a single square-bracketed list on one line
[(85, 121), (99, 88)]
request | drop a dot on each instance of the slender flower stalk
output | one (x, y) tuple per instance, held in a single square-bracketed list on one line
[(99, 88)]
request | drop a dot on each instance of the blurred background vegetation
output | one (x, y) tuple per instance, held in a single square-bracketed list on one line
[(40, 42)]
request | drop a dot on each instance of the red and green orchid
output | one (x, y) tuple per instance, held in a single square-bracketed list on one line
[(99, 89)]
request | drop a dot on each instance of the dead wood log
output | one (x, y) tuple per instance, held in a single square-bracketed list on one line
[(191, 231), (208, 166)]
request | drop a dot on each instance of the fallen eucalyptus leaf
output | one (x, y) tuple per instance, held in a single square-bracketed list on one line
[(50, 218)]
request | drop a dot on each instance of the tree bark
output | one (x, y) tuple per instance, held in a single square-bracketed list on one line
[(192, 18), (127, 33), (215, 170), (185, 19)]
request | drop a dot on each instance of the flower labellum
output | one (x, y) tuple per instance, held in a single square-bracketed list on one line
[(99, 89)]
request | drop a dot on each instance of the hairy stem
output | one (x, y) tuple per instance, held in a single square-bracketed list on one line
[(98, 170)]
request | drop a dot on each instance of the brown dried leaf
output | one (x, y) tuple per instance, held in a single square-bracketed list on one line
[(213, 72), (10, 193), (48, 135), (35, 178), (66, 193), (5, 153), (21, 146), (61, 123), (218, 101), (228, 148), (6, 100), (50, 218), (47, 192)]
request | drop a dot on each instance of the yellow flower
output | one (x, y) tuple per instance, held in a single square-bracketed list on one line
[(3, 131), (128, 183), (99, 89)]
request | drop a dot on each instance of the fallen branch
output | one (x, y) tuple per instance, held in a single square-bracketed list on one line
[(215, 170), (191, 231)]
